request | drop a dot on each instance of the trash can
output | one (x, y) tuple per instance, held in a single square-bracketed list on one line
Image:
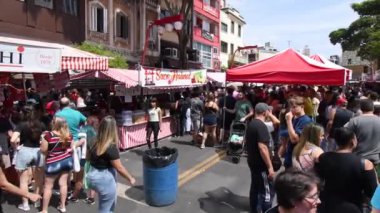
[(160, 171)]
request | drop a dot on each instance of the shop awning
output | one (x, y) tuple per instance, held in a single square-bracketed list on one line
[(219, 77), (71, 58), (129, 78)]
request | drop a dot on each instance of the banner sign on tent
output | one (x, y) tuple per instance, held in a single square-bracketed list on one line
[(42, 81), (170, 77), (29, 59), (61, 80)]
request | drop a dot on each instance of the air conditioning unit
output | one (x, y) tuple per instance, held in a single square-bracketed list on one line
[(171, 52)]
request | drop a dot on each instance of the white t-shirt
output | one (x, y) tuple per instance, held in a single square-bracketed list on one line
[(154, 114)]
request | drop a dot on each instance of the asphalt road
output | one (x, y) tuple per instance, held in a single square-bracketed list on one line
[(219, 186)]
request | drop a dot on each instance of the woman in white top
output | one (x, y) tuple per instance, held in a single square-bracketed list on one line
[(154, 123), (307, 151)]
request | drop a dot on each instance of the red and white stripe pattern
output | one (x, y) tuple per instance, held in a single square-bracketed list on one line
[(132, 136), (82, 63)]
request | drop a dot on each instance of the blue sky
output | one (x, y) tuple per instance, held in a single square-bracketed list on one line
[(302, 22)]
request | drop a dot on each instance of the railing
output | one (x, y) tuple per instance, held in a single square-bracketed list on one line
[(207, 8), (240, 58), (198, 32)]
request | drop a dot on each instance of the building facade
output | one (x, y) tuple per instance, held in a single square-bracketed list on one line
[(262, 52), (231, 35), (206, 33), (46, 20), (361, 69)]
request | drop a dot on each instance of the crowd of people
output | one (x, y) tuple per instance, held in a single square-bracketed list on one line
[(327, 137)]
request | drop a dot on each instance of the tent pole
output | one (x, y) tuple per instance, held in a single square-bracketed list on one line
[(24, 86)]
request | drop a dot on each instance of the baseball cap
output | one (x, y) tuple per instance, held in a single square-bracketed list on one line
[(261, 107), (341, 101)]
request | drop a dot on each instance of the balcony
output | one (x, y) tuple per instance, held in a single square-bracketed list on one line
[(239, 58), (207, 10), (206, 37)]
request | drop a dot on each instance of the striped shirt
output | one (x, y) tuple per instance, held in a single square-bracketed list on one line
[(56, 150)]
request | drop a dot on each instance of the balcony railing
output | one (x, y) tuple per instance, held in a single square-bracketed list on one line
[(198, 32)]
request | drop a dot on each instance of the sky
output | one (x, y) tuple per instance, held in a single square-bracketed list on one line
[(295, 23)]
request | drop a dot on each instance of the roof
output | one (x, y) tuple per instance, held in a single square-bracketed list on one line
[(288, 67)]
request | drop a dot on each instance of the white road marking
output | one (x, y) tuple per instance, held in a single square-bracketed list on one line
[(122, 188)]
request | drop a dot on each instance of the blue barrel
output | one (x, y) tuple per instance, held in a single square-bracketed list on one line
[(161, 184)]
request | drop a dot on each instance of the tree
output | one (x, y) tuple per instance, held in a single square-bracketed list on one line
[(184, 34), (116, 60), (363, 34)]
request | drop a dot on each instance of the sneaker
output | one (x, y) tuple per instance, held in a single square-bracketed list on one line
[(90, 201), (203, 146), (60, 209), (72, 199), (23, 207)]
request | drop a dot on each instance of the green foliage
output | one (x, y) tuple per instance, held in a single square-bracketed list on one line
[(364, 33), (116, 60)]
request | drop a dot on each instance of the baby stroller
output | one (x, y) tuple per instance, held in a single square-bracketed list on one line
[(235, 144)]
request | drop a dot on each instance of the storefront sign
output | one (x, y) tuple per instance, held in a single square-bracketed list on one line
[(167, 78), (29, 59)]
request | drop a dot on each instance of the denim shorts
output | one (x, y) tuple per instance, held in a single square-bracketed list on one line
[(56, 168), (28, 157)]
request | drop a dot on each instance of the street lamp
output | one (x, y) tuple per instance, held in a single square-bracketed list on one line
[(164, 24), (239, 49)]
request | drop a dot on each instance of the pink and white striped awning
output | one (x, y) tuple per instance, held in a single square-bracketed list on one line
[(82, 63)]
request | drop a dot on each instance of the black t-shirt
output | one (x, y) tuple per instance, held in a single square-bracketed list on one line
[(30, 133), (5, 125), (345, 179), (257, 132), (104, 161)]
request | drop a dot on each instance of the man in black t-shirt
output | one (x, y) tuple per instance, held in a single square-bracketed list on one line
[(259, 160)]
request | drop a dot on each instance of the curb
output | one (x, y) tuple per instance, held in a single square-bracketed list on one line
[(191, 173)]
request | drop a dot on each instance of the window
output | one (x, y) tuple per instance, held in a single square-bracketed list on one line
[(205, 54), (224, 47), (198, 22), (215, 50), (349, 61), (44, 3), (224, 27), (232, 27), (164, 13), (239, 31), (70, 7), (232, 48), (121, 25), (98, 18), (153, 36), (206, 26)]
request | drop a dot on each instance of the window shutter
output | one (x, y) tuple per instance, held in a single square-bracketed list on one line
[(93, 18), (126, 27), (105, 18), (118, 25)]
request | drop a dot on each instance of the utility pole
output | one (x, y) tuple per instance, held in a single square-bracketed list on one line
[(289, 43)]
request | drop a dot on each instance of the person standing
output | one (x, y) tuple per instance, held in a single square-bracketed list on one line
[(259, 160), (26, 140), (154, 123), (243, 108), (227, 117), (210, 119), (296, 120), (74, 120), (347, 177), (196, 114), (57, 146), (366, 128), (105, 161)]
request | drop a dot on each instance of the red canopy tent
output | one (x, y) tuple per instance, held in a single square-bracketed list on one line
[(327, 62), (288, 67)]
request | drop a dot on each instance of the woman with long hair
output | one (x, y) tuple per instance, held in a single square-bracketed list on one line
[(154, 122), (307, 150), (105, 161), (57, 147), (26, 140), (210, 119)]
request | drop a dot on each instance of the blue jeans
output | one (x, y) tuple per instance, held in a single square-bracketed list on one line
[(103, 181)]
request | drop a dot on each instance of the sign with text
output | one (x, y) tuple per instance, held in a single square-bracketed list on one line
[(29, 59), (171, 77)]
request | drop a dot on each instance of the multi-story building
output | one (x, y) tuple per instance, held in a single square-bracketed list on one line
[(231, 35), (361, 69), (46, 20), (206, 38), (262, 52), (120, 25)]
